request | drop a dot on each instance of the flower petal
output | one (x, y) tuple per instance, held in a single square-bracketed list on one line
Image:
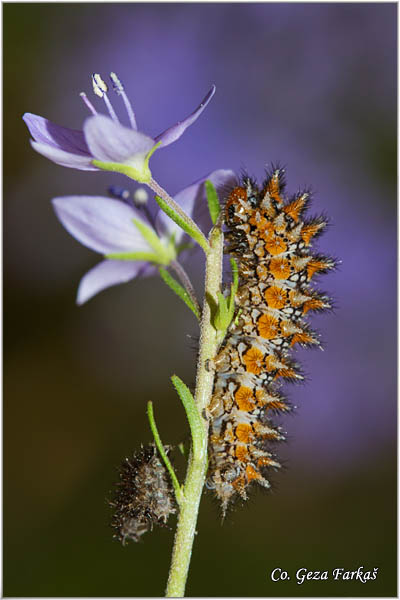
[(65, 159), (174, 133), (63, 138), (193, 200), (109, 141), (108, 273), (102, 224)]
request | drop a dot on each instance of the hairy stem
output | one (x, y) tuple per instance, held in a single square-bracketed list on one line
[(197, 464), (201, 239), (187, 284)]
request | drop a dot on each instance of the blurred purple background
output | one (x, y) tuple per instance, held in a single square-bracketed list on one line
[(310, 85)]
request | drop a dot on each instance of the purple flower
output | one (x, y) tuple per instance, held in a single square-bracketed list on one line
[(131, 246), (105, 144)]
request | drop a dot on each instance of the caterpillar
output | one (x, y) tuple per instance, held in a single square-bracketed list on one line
[(143, 495), (271, 244)]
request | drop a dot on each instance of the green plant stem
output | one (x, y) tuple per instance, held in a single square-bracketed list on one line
[(187, 284), (185, 221), (197, 464)]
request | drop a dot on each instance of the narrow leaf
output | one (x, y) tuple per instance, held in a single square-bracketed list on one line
[(234, 287), (179, 291), (221, 316), (213, 201), (235, 274), (194, 232), (163, 454), (196, 425)]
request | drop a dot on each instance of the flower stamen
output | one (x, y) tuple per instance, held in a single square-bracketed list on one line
[(120, 90), (120, 193), (100, 88), (140, 197), (88, 103)]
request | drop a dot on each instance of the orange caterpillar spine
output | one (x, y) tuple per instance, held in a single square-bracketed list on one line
[(272, 246)]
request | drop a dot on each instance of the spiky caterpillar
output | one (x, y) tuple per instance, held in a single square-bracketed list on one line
[(272, 246), (143, 495)]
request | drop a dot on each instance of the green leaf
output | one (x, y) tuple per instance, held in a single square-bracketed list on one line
[(213, 308), (213, 202), (238, 315), (235, 274), (179, 290), (221, 316), (224, 311), (163, 454), (194, 233), (199, 438)]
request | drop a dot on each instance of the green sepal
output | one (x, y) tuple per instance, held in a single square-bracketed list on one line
[(195, 234), (179, 291), (165, 254), (145, 256), (213, 202), (193, 416), (162, 254), (142, 174)]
